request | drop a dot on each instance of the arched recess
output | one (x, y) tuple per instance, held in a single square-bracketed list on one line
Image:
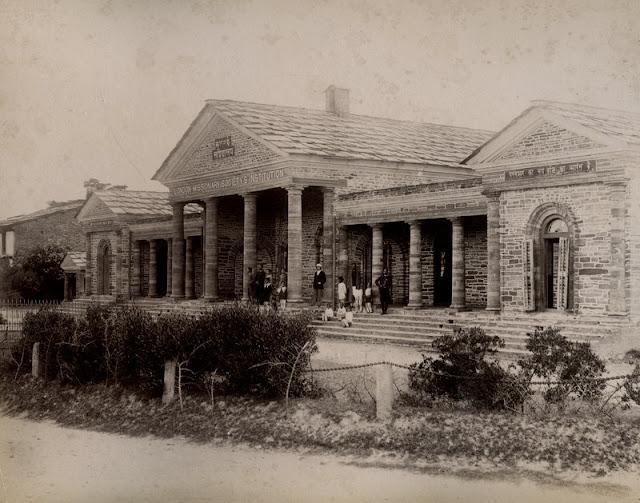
[(103, 266), (548, 253), (362, 259)]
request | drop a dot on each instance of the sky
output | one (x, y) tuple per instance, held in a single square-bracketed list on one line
[(105, 89)]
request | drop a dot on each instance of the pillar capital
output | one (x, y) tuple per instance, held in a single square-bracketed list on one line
[(249, 196), (376, 226), (295, 189), (413, 222), (455, 220)]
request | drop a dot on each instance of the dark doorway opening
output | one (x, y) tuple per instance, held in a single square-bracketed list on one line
[(442, 269)]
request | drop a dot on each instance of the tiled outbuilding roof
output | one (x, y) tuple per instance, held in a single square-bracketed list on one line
[(317, 132), (615, 123), (140, 203), (68, 205), (74, 261)]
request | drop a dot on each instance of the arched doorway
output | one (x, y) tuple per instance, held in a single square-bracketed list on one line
[(104, 268), (548, 258), (554, 263)]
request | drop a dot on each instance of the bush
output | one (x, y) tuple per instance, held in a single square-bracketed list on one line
[(555, 358), (51, 329), (254, 352), (461, 372)]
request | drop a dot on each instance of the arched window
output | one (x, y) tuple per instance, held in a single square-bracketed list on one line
[(104, 268)]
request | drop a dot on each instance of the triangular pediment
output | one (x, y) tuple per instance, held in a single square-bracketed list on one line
[(547, 138), (215, 144), (539, 133), (94, 209)]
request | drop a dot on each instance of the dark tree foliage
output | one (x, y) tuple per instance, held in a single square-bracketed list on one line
[(37, 273)]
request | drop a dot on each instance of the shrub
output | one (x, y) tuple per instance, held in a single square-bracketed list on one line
[(254, 352), (51, 329), (461, 372), (555, 358)]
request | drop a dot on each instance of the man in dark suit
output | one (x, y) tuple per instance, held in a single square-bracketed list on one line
[(384, 287), (319, 279)]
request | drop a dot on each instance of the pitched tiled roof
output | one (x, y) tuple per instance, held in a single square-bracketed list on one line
[(140, 203), (615, 123), (69, 205), (74, 261), (317, 132)]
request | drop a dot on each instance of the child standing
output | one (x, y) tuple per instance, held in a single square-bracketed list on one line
[(367, 298), (357, 299), (342, 292)]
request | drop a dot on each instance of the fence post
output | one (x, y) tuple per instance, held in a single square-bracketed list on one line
[(169, 391), (384, 392), (35, 360)]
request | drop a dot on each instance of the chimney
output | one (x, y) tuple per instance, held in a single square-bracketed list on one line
[(337, 100)]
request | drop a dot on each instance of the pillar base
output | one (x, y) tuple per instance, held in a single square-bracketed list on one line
[(414, 305), (458, 309), (210, 299), (493, 309), (295, 301), (177, 297)]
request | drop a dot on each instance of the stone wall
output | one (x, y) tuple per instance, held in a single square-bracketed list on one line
[(59, 228), (475, 261), (588, 208)]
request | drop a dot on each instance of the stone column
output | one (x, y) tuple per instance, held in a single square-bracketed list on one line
[(342, 265), (169, 266), (457, 263), (493, 252), (80, 283), (617, 304), (189, 289), (136, 277), (249, 251), (415, 265), (91, 266), (376, 259), (67, 297), (327, 235), (177, 268), (294, 244), (153, 268), (211, 249)]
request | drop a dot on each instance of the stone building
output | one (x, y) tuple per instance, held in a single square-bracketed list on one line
[(540, 216)]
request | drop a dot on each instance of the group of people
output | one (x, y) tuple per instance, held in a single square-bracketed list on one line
[(362, 298), (263, 291)]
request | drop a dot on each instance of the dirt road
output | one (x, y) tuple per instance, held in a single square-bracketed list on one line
[(42, 462)]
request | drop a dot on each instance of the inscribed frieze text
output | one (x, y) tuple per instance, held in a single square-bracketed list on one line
[(229, 182)]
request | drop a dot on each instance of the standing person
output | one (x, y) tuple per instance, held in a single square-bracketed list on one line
[(260, 277), (342, 292), (367, 299), (357, 299), (267, 291), (252, 286), (282, 290), (384, 287), (319, 279)]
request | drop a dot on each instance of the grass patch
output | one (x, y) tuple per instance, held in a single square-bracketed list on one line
[(498, 439)]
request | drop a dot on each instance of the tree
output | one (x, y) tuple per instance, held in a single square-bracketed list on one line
[(37, 274)]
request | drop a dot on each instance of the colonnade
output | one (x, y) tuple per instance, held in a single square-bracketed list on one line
[(180, 252), (458, 301)]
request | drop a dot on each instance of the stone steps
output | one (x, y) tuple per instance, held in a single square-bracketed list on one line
[(420, 328)]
